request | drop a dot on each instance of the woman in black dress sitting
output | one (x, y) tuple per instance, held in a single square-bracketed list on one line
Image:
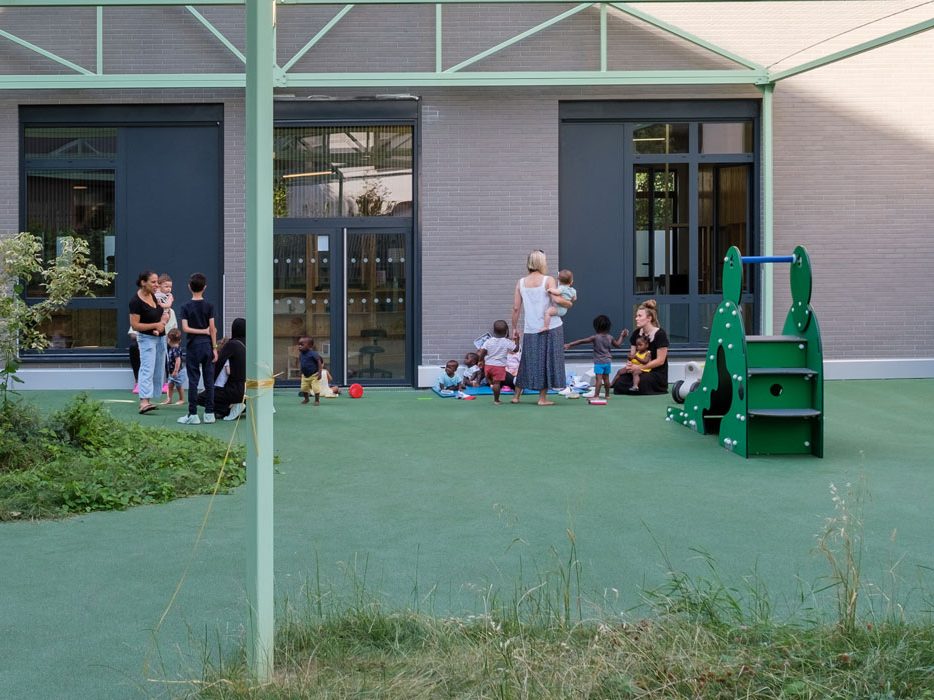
[(655, 381), (228, 399)]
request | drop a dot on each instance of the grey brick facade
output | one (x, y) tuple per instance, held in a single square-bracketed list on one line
[(854, 143)]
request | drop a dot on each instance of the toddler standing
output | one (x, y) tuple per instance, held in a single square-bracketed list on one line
[(603, 344), (177, 376), (494, 354), (311, 363)]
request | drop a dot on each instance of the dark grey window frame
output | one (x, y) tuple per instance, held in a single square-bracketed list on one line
[(106, 116), (295, 112), (693, 112)]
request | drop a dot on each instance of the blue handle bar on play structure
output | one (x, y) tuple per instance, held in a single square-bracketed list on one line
[(758, 259)]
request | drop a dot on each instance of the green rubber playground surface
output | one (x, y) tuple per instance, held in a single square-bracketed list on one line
[(444, 504)]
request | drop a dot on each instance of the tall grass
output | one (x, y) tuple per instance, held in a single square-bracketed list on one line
[(697, 637)]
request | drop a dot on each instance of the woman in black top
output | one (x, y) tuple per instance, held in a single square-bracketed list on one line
[(148, 319), (231, 394), (656, 381)]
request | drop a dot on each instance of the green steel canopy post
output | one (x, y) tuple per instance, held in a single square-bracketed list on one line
[(768, 212), (261, 60)]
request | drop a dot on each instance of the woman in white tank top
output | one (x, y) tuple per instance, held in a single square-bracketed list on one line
[(542, 365)]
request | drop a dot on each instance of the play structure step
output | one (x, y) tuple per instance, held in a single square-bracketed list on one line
[(784, 413), (784, 371), (775, 339), (776, 351)]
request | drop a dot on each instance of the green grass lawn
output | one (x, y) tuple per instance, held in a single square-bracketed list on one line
[(448, 507)]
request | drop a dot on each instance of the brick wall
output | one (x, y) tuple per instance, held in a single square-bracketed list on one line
[(854, 142)]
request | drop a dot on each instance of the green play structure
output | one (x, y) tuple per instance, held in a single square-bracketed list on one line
[(760, 394)]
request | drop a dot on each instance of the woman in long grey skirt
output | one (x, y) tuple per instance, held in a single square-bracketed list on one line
[(542, 364)]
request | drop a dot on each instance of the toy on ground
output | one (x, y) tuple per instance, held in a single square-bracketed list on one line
[(761, 394), (355, 391)]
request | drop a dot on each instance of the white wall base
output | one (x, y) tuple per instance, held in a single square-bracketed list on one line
[(101, 378), (77, 379), (913, 368)]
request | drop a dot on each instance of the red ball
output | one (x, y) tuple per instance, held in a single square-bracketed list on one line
[(355, 391)]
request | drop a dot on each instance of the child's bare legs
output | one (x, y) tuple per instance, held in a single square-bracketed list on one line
[(181, 393), (636, 378), (317, 399), (496, 386), (168, 396), (597, 383), (304, 397), (551, 311), (606, 386)]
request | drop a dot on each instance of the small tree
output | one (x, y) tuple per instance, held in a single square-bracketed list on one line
[(71, 274)]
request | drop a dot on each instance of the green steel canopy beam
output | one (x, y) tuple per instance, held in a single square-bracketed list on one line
[(677, 31), (122, 81), (47, 54), (491, 78), (217, 33), (335, 80), (317, 37), (519, 37), (854, 50)]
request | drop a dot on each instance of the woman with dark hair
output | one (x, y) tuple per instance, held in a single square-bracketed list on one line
[(655, 381), (148, 319), (542, 363), (228, 399)]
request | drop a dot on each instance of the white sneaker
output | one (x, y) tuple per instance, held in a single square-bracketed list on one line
[(235, 411), (566, 391), (192, 419), (588, 394), (208, 418)]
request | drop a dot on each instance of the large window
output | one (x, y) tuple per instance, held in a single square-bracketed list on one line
[(652, 196), (69, 183), (142, 185), (341, 171)]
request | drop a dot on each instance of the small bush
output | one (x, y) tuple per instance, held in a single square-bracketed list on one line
[(81, 459)]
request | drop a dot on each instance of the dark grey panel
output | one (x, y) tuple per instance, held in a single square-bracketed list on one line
[(591, 220), (173, 206)]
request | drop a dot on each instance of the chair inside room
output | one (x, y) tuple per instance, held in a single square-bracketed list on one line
[(370, 352)]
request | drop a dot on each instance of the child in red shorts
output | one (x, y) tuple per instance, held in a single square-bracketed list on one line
[(493, 355)]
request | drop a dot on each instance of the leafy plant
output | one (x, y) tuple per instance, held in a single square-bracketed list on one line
[(71, 274), (81, 459)]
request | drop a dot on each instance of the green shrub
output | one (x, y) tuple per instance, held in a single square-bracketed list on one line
[(81, 459)]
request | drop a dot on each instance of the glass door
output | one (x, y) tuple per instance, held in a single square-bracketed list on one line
[(302, 300), (348, 290), (377, 306)]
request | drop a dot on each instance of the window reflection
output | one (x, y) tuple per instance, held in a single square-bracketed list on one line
[(76, 203), (662, 245), (69, 143), (81, 328), (728, 137), (301, 298), (343, 171), (660, 138), (723, 220)]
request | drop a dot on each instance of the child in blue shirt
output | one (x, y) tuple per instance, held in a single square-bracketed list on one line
[(449, 379)]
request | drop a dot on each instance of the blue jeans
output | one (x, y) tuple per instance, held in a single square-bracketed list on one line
[(199, 361), (151, 365)]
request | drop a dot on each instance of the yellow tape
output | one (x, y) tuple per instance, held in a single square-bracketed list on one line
[(261, 383)]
